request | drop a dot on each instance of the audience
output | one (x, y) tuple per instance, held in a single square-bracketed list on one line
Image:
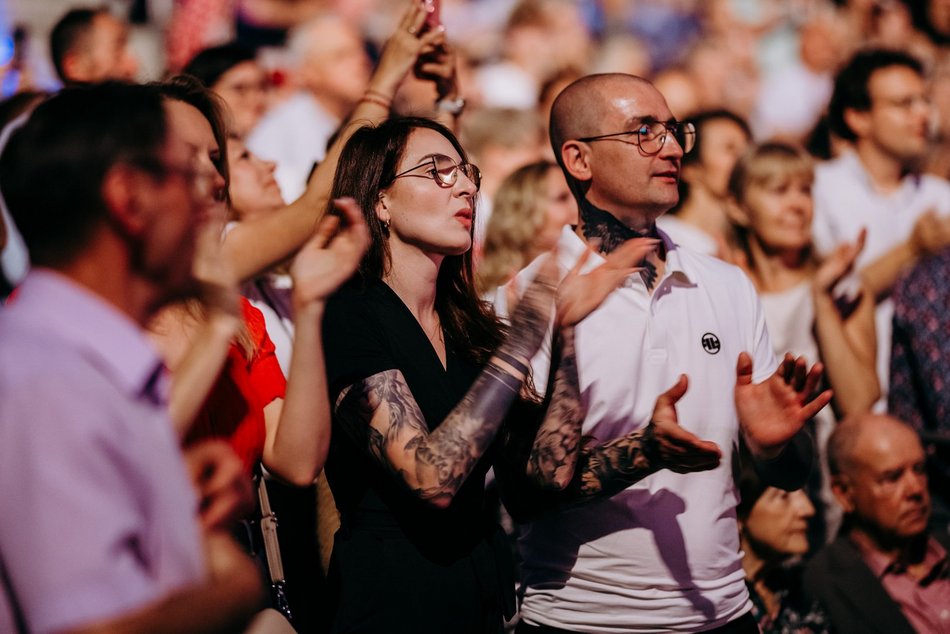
[(174, 210), (91, 45), (233, 73), (531, 208), (331, 73), (880, 105), (105, 533), (885, 572), (771, 211), (920, 370), (773, 530), (422, 375), (662, 554), (699, 221)]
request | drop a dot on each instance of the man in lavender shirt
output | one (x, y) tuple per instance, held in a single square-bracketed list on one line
[(103, 529), (885, 572)]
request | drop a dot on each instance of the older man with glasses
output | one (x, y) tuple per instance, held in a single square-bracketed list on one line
[(637, 542)]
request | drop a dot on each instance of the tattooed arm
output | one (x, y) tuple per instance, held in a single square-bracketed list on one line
[(381, 414), (553, 456), (605, 469)]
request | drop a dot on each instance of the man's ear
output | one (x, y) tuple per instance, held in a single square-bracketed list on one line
[(122, 192), (576, 158), (859, 121), (842, 489)]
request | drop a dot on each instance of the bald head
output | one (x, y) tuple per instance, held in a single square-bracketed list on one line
[(581, 108), (857, 436)]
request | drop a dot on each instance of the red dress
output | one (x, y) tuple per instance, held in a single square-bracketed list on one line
[(234, 410)]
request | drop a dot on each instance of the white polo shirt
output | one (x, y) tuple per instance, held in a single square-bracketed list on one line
[(663, 555), (846, 201)]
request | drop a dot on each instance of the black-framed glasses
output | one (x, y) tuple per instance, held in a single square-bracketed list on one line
[(650, 136), (444, 171)]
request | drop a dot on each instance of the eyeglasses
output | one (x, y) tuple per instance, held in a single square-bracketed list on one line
[(650, 136), (201, 181), (444, 171)]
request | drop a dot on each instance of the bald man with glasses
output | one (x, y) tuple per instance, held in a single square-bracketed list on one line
[(674, 368)]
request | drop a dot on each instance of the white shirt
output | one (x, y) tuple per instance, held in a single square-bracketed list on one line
[(687, 235), (663, 555), (791, 101), (846, 201), (294, 135)]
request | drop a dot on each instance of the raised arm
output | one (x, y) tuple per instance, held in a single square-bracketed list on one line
[(298, 427), (254, 246), (846, 341), (382, 416)]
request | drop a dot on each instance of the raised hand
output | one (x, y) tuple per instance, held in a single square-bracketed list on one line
[(403, 49), (332, 255), (578, 295), (674, 448), (772, 412), (839, 264)]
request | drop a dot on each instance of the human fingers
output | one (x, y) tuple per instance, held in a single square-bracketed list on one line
[(799, 374), (811, 409), (326, 227), (744, 369), (670, 397), (812, 381), (632, 252)]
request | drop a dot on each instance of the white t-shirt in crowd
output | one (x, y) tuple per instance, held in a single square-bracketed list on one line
[(294, 135), (662, 555), (846, 201)]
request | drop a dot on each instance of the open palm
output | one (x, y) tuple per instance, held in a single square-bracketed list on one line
[(773, 411)]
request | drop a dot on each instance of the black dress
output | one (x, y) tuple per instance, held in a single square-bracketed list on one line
[(399, 565)]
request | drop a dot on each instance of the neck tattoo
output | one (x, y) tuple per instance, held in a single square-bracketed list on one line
[(605, 233)]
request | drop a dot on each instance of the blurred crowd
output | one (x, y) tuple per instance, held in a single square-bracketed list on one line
[(791, 162)]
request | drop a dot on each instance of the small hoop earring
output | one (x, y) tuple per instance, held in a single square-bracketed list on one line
[(386, 224)]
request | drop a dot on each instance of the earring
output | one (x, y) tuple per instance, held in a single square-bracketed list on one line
[(386, 224)]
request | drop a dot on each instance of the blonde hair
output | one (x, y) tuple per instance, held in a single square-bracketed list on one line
[(765, 165), (518, 213)]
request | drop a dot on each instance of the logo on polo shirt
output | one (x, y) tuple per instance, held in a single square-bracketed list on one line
[(711, 343)]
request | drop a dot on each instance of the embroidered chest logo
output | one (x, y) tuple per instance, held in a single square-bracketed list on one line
[(711, 343)]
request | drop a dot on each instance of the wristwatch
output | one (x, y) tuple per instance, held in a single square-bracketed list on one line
[(452, 106)]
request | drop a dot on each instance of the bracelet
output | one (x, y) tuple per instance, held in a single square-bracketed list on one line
[(503, 377), (371, 97), (513, 362)]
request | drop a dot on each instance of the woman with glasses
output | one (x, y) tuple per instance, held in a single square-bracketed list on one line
[(421, 377)]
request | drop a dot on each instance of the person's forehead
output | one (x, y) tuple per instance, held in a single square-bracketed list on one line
[(631, 100), (242, 71), (894, 81), (888, 449), (425, 142), (107, 27), (188, 127)]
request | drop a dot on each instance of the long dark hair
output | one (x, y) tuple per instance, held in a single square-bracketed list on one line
[(367, 166)]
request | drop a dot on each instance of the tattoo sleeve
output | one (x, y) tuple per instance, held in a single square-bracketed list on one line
[(553, 455), (602, 470), (381, 413)]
